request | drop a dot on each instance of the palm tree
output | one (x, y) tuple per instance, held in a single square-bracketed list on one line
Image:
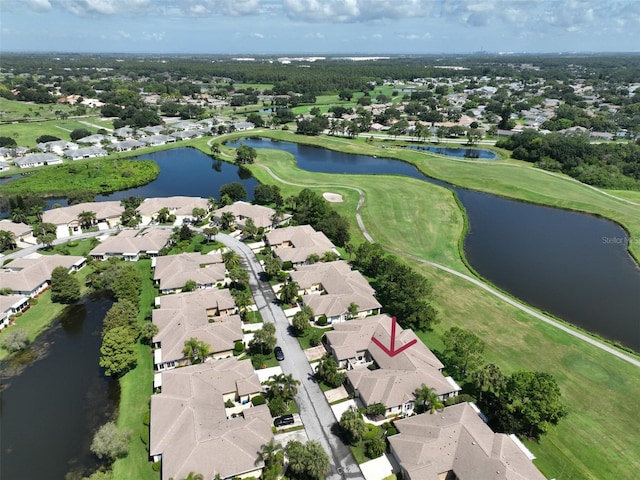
[(194, 476), (163, 215), (242, 299), (18, 215), (37, 211), (227, 219), (195, 350), (284, 386), (349, 249), (268, 453), (86, 219), (210, 233), (7, 240), (212, 203), (231, 260), (488, 376), (289, 293), (352, 311), (428, 397)]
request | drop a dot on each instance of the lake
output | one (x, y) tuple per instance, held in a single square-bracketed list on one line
[(559, 261), (51, 409), (478, 153)]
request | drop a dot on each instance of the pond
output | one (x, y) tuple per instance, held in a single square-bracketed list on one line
[(52, 407), (563, 262), (478, 153)]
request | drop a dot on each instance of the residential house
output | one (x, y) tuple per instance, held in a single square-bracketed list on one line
[(331, 288), (125, 145), (86, 152), (4, 167), (172, 272), (180, 206), (31, 276), (58, 146), (457, 444), (193, 320), (9, 306), (92, 139), (126, 133), (191, 429), (21, 231), (262, 216), (68, 223), (130, 244), (241, 126), (37, 160), (395, 379), (295, 244), (12, 152), (156, 140)]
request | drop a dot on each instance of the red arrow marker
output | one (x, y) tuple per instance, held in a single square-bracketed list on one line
[(393, 351)]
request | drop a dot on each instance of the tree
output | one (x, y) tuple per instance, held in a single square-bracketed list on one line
[(264, 339), (262, 194), (239, 277), (196, 350), (490, 376), (376, 409), (353, 425), (148, 330), (79, 133), (235, 190), (46, 139), (231, 259), (163, 216), (352, 310), (306, 461), (300, 323), (7, 240), (375, 447), (126, 285), (210, 233), (272, 265), (282, 386), (65, 288), (289, 293), (198, 213), (530, 403), (109, 443), (130, 217), (250, 230), (86, 219), (327, 372), (227, 219), (272, 455), (7, 142), (15, 340), (190, 286), (37, 211), (463, 350), (117, 353), (428, 399), (245, 154), (18, 215)]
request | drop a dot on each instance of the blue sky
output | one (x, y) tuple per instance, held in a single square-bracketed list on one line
[(319, 26)]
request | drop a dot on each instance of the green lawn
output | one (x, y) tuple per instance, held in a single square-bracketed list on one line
[(305, 340), (136, 388), (13, 110), (25, 134), (72, 247), (38, 318)]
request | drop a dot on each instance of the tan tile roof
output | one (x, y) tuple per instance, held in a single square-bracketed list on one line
[(342, 285), (210, 300), (173, 271), (178, 205), (18, 229), (175, 327), (242, 210), (295, 244), (189, 426), (66, 215), (457, 440), (26, 274), (134, 242)]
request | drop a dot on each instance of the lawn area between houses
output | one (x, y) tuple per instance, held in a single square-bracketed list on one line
[(25, 134), (38, 318), (136, 388), (598, 439)]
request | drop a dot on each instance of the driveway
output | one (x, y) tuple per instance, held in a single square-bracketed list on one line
[(315, 412)]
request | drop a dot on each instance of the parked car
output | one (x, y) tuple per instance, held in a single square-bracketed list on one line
[(278, 353), (284, 420)]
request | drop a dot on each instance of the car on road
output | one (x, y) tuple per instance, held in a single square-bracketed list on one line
[(284, 420), (278, 353)]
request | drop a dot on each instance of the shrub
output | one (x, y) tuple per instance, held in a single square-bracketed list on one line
[(375, 447), (33, 301), (371, 433), (463, 397), (287, 265), (322, 320), (315, 339), (109, 443), (258, 400), (15, 340), (229, 404), (238, 348), (157, 466)]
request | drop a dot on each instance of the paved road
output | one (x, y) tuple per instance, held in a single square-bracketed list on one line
[(315, 411)]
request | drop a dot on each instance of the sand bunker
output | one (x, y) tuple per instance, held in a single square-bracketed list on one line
[(332, 197)]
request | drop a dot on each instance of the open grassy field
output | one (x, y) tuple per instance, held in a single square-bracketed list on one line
[(13, 110), (25, 134), (599, 437)]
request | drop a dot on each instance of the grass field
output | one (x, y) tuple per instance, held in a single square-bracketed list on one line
[(599, 437), (25, 134), (13, 110)]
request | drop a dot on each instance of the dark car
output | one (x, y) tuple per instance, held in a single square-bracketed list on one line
[(284, 420), (278, 353)]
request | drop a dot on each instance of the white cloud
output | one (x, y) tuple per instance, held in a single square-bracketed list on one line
[(256, 35), (39, 5), (347, 11), (153, 36)]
